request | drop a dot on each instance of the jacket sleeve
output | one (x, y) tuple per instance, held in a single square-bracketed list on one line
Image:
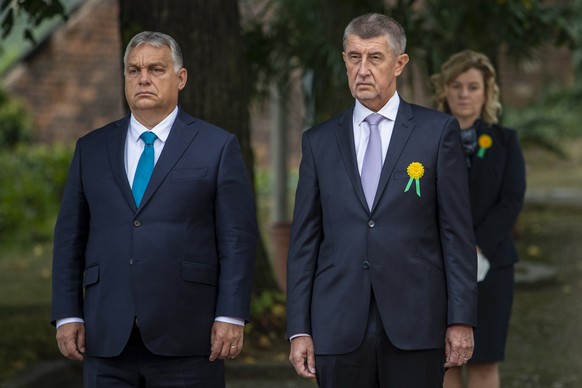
[(237, 234), (456, 231), (70, 240), (306, 235)]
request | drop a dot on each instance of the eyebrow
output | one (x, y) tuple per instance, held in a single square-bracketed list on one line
[(151, 64)]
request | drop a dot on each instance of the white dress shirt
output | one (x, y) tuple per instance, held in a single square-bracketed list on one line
[(134, 145), (362, 129)]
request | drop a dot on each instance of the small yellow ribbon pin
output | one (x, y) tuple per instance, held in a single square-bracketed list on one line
[(485, 142), (415, 171)]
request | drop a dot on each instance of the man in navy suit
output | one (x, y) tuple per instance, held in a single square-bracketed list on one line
[(381, 285), (153, 288)]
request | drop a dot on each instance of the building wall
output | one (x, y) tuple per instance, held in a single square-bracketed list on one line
[(72, 82), (551, 68)]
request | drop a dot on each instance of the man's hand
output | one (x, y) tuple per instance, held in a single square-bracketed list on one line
[(226, 340), (302, 356), (458, 345), (71, 340)]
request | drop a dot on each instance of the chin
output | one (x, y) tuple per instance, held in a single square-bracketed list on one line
[(366, 96), (145, 104)]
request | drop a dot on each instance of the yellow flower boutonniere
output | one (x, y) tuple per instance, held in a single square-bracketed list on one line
[(485, 142), (415, 171)]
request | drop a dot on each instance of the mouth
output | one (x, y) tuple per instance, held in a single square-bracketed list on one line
[(144, 94), (364, 85)]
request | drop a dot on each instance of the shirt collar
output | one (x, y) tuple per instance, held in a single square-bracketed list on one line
[(162, 130), (389, 110)]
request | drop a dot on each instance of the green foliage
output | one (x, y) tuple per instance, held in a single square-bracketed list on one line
[(445, 27), (32, 181), (548, 122), (268, 314), (307, 34), (34, 12), (266, 302), (575, 29), (15, 123)]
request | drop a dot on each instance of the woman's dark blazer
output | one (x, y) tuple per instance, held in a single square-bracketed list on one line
[(497, 189)]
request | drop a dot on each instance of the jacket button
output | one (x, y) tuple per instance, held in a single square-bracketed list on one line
[(365, 265), (136, 223), (371, 223)]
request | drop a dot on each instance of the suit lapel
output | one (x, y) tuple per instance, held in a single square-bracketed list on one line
[(403, 128), (116, 150), (347, 148), (179, 139)]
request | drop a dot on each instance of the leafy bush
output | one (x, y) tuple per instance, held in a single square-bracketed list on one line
[(32, 181), (15, 123), (551, 120)]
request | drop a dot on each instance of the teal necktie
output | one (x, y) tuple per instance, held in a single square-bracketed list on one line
[(145, 166)]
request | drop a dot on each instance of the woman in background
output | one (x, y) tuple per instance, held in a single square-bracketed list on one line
[(466, 88)]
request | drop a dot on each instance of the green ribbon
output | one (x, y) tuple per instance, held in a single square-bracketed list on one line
[(481, 152), (410, 184)]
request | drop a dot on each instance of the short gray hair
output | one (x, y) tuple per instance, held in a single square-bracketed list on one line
[(373, 25), (156, 39)]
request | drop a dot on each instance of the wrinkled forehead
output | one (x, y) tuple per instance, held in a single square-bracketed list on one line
[(145, 54), (355, 42)]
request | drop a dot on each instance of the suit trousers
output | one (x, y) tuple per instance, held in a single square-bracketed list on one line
[(137, 367), (377, 363)]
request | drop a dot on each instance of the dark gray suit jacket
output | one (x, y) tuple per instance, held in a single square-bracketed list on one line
[(183, 257), (417, 254)]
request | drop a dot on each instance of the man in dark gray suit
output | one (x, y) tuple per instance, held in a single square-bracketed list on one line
[(381, 286), (152, 270)]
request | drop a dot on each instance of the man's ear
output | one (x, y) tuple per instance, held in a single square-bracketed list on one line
[(401, 62), (183, 77)]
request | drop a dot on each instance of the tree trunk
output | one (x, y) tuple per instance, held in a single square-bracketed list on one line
[(217, 91)]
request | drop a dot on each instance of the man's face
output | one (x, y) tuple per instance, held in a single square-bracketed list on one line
[(372, 69), (151, 83)]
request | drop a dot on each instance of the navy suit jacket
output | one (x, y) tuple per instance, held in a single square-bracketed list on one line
[(417, 254), (185, 256), (497, 187)]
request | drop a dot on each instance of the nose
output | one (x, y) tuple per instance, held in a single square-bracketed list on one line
[(364, 68), (143, 77)]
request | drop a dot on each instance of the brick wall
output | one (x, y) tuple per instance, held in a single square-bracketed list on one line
[(550, 69), (73, 80)]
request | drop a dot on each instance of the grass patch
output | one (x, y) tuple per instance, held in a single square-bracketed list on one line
[(543, 345), (25, 288)]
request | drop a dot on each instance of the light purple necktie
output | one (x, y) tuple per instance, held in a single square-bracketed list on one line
[(372, 165)]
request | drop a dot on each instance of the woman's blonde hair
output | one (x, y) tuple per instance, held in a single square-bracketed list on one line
[(458, 64)]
